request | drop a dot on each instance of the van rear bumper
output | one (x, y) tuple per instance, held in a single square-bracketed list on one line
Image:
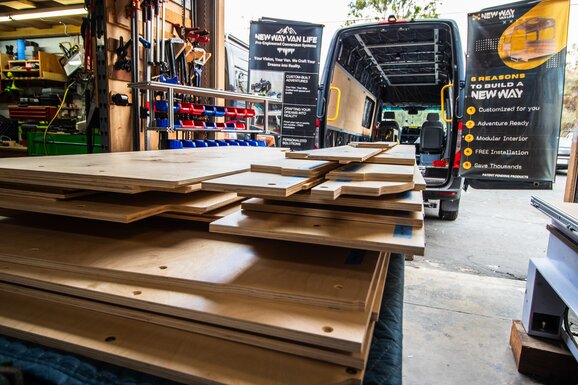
[(449, 192)]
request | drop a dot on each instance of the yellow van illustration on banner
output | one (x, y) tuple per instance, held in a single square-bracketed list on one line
[(536, 36)]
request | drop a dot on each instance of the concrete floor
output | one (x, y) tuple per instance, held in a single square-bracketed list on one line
[(461, 297)]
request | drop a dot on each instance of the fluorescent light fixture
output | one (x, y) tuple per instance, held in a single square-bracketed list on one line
[(44, 14)]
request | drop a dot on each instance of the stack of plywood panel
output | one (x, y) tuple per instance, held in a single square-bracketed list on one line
[(169, 298), (361, 199)]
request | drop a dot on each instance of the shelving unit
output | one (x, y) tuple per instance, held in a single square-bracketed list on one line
[(172, 89), (46, 67)]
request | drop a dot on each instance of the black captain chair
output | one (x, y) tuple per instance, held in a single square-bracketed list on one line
[(432, 135), (388, 128)]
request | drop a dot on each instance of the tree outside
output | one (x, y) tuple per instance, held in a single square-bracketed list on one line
[(570, 109), (371, 10)]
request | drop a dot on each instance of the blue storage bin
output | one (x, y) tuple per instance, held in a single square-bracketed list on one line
[(212, 143), (242, 143), (162, 122), (161, 106), (209, 110), (222, 143), (260, 143), (188, 143), (220, 111), (210, 125), (201, 143), (233, 143), (174, 144), (253, 143), (164, 79)]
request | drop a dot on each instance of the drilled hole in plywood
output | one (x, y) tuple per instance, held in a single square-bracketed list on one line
[(327, 329), (272, 184), (101, 171), (323, 187), (110, 339), (338, 286), (137, 292), (40, 166), (316, 225), (162, 267), (351, 371)]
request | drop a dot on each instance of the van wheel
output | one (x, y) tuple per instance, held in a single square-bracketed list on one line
[(445, 213)]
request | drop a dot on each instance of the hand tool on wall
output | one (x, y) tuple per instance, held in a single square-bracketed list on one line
[(122, 62)]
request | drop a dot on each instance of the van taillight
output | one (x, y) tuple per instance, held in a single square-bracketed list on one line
[(458, 155), (317, 123), (439, 163), (457, 159)]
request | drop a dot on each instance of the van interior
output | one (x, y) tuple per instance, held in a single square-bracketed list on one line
[(395, 81)]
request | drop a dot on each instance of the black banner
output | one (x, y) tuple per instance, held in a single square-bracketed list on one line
[(284, 63), (514, 90)]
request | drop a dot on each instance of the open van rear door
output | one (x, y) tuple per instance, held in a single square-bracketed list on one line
[(513, 94)]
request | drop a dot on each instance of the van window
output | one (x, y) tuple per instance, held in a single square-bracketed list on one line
[(368, 109)]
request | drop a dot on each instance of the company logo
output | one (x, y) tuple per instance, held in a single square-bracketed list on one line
[(286, 51), (287, 36), (503, 14), (287, 31)]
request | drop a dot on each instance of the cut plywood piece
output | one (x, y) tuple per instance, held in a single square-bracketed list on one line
[(249, 183), (295, 167), (82, 288), (159, 350), (134, 171), (418, 180), (207, 217), (321, 231), (385, 145), (401, 154), (332, 189), (180, 256), (122, 208), (372, 172), (408, 201), (298, 323), (340, 154), (407, 218)]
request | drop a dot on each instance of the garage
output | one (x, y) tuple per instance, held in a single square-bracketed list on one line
[(216, 192)]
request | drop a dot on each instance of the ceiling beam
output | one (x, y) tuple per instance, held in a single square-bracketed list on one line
[(24, 33), (368, 52), (395, 45)]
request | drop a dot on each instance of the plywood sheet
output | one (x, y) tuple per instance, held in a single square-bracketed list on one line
[(249, 183), (408, 201), (19, 190), (159, 350), (340, 154), (385, 145), (372, 215), (182, 256), (78, 286), (401, 154), (289, 321), (121, 207), (321, 231), (145, 169), (295, 167), (332, 189), (372, 172)]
